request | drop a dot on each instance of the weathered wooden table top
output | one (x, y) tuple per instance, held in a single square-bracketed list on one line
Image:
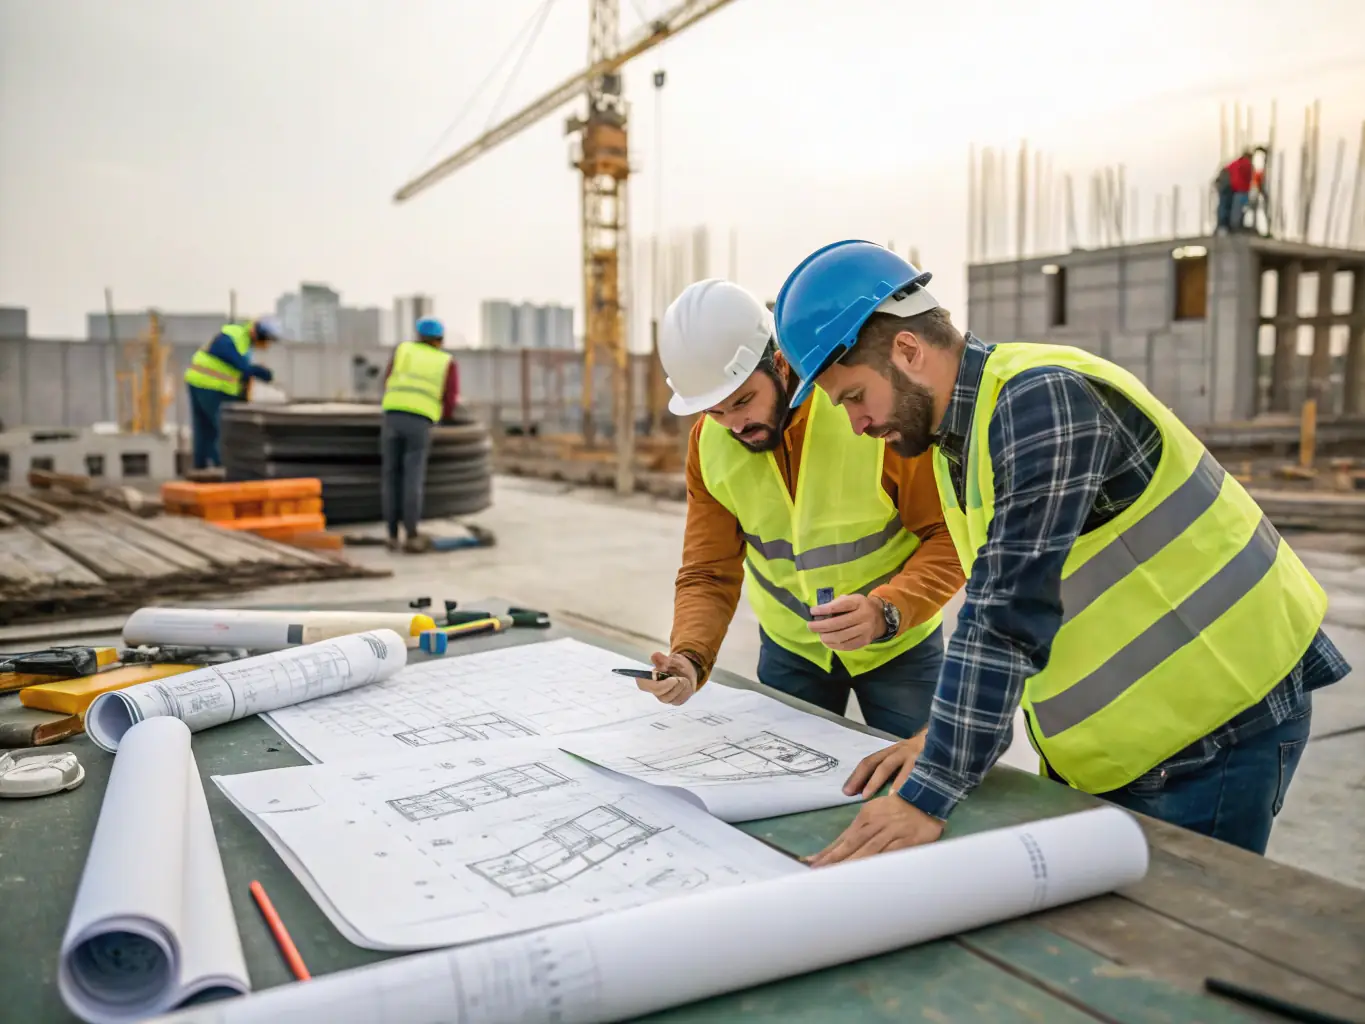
[(1140, 955)]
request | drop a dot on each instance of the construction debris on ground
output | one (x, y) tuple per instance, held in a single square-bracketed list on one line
[(79, 549)]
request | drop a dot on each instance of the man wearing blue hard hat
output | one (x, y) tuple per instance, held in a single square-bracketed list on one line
[(796, 506), (1161, 638), (421, 387), (219, 372)]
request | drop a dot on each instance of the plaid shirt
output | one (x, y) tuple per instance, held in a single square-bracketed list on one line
[(1068, 454)]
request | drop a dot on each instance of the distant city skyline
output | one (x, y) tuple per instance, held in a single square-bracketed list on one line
[(174, 187)]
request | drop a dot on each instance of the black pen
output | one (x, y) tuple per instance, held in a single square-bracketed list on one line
[(637, 673)]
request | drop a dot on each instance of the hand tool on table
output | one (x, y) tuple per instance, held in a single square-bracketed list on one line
[(18, 670), (524, 618), (1265, 1001), (38, 774), (435, 641)]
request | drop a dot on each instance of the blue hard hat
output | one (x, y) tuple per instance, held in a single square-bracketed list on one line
[(829, 296), (268, 329), (430, 327)]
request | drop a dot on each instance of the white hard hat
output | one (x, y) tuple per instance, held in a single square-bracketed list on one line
[(711, 339)]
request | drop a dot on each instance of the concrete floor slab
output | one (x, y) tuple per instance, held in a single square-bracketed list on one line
[(613, 560)]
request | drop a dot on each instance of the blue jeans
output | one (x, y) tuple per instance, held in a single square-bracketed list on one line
[(206, 409), (894, 697), (1234, 797)]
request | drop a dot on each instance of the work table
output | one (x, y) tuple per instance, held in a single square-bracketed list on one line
[(1140, 955)]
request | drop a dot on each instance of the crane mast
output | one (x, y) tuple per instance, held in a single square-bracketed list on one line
[(603, 160)]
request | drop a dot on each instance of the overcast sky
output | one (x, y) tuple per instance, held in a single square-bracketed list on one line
[(175, 149)]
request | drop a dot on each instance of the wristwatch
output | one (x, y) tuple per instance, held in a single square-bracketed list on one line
[(891, 615)]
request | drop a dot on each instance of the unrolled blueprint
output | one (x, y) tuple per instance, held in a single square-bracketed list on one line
[(223, 693), (757, 761), (444, 705), (608, 968), (487, 839)]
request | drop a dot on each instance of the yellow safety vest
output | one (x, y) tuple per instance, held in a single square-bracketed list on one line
[(842, 531), (417, 381), (211, 373), (1179, 613)]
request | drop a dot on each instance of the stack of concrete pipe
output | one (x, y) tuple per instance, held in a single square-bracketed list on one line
[(339, 444)]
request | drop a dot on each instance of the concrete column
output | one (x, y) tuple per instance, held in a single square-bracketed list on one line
[(1354, 398), (1320, 364), (1286, 327)]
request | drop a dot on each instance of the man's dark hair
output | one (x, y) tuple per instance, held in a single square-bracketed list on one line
[(873, 349)]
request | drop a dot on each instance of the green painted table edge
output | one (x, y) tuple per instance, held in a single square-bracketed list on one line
[(1018, 971)]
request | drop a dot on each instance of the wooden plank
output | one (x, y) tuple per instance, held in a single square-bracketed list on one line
[(110, 556), (937, 982), (27, 562), (221, 547), (131, 531), (1241, 910), (1309, 923), (1159, 946)]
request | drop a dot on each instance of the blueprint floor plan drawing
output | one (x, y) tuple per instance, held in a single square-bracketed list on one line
[(465, 842), (765, 755), (566, 850), (504, 784), (541, 689), (491, 726), (759, 761)]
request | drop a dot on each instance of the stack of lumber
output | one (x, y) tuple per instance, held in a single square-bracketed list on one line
[(89, 556), (1313, 510)]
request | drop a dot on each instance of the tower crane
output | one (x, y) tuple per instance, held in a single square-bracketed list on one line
[(602, 156)]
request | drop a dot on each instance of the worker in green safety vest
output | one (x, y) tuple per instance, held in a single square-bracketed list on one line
[(839, 542), (1123, 590), (421, 387), (217, 374)]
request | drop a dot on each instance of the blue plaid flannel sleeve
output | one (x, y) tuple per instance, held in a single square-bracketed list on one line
[(1051, 441)]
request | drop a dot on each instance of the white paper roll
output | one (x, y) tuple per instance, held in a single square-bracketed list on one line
[(223, 693)]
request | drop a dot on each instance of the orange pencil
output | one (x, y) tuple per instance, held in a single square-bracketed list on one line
[(286, 944)]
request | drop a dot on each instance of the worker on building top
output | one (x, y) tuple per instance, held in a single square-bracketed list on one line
[(1234, 192), (1162, 638), (218, 373), (421, 387), (795, 504)]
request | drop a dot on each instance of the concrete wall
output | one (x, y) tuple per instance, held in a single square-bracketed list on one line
[(1121, 304), (13, 322), (74, 383)]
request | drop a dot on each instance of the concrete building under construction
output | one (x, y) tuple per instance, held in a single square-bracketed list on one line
[(1223, 329)]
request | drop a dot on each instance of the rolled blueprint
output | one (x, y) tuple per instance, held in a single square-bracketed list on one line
[(257, 630), (152, 925), (223, 693), (606, 968)]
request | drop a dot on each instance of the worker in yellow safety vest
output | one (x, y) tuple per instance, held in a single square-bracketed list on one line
[(1124, 590), (795, 505), (217, 374), (421, 387)]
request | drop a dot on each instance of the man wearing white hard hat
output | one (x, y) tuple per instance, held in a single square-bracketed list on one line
[(795, 504)]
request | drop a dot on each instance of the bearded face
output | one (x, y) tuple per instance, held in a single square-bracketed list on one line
[(909, 427), (764, 433)]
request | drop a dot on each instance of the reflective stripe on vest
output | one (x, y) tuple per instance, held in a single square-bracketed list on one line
[(1184, 610), (211, 373), (418, 379), (841, 530)]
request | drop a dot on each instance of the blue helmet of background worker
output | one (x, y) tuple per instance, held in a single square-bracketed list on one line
[(430, 329), (265, 330), (830, 295)]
